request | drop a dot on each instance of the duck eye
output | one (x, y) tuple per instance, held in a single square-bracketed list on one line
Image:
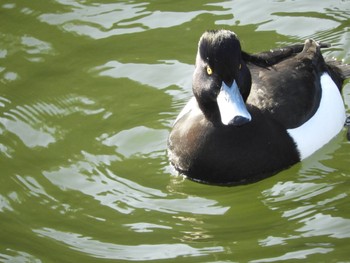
[(209, 70)]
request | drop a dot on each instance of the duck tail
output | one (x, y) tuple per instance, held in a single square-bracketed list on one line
[(338, 70)]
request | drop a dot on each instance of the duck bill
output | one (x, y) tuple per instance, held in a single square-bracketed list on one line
[(233, 110)]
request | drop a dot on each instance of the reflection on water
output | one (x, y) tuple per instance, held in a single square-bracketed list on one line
[(145, 227), (104, 250), (325, 225), (97, 20), (105, 20), (29, 123), (307, 213), (301, 254), (88, 92), (148, 74), (124, 195), (282, 21), (311, 205), (131, 142), (34, 49)]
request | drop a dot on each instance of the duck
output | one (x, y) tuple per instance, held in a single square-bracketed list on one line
[(254, 115)]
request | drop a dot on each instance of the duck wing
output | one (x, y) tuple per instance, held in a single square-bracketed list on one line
[(269, 58), (290, 89)]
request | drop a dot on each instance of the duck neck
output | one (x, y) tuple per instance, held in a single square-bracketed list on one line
[(211, 111)]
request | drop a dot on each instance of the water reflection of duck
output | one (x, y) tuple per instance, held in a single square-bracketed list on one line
[(254, 115)]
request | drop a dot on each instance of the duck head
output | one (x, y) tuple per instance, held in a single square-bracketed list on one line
[(221, 80)]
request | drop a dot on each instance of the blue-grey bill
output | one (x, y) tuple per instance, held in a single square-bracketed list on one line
[(233, 110)]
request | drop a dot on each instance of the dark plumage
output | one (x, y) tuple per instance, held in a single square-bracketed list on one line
[(276, 92)]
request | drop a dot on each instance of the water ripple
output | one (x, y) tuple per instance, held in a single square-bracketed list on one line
[(104, 20), (33, 188), (5, 204), (299, 254), (88, 92), (173, 73), (144, 227), (138, 141), (124, 195), (276, 19), (105, 250), (18, 256), (96, 20), (325, 225), (29, 122), (11, 46)]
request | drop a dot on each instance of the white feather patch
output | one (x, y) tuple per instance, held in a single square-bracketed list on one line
[(326, 123)]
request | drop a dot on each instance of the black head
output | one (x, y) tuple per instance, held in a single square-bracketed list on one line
[(219, 66)]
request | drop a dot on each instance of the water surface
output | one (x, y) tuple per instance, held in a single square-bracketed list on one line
[(88, 92)]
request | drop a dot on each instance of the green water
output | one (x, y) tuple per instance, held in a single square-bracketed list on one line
[(88, 92)]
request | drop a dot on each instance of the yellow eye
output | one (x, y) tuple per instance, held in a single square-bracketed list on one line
[(209, 70)]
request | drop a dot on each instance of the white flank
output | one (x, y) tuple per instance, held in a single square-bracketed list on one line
[(326, 123), (231, 103)]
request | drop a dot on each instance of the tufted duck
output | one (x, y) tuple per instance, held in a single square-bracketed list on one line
[(254, 115)]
